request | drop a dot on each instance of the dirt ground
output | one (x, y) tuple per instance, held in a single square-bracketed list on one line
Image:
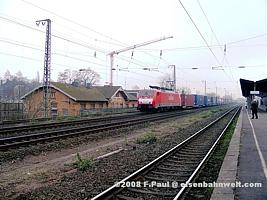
[(33, 173)]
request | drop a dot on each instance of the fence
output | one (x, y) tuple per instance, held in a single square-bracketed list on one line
[(11, 111), (102, 111)]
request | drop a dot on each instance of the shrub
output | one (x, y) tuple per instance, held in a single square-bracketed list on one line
[(83, 164), (147, 138)]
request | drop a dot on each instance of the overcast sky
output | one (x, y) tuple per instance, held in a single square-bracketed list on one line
[(229, 34)]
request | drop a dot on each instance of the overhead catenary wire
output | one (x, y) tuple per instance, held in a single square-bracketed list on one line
[(60, 37), (199, 32), (71, 21), (248, 38), (67, 56), (216, 38), (81, 25), (74, 42), (53, 35)]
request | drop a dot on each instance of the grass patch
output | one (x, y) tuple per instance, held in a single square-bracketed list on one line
[(67, 118), (206, 115), (214, 111), (147, 138), (83, 164)]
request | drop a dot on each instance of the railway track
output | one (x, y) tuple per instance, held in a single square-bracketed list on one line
[(167, 176), (63, 125), (50, 135)]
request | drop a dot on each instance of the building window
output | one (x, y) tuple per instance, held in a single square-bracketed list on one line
[(83, 106), (53, 112), (53, 95), (92, 105), (65, 112), (53, 104)]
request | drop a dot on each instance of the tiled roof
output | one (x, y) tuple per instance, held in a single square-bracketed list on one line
[(80, 93), (95, 93), (107, 91)]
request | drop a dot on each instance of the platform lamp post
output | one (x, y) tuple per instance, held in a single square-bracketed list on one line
[(205, 87)]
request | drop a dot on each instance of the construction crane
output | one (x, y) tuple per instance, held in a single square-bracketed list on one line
[(111, 54)]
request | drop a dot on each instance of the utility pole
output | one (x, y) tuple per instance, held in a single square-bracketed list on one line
[(205, 87), (111, 54), (47, 63), (174, 77)]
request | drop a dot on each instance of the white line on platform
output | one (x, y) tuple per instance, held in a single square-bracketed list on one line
[(263, 163)]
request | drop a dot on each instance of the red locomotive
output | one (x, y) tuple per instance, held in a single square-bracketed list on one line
[(158, 99)]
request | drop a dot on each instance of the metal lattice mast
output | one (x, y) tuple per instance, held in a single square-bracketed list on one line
[(47, 64)]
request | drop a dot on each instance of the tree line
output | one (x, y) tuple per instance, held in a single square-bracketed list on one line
[(14, 86)]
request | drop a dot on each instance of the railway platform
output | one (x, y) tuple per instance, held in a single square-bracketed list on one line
[(245, 163)]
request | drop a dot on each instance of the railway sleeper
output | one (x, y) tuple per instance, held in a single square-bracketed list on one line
[(167, 174), (164, 179), (147, 191), (181, 160)]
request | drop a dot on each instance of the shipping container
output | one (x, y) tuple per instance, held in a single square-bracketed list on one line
[(187, 100), (205, 101), (199, 100)]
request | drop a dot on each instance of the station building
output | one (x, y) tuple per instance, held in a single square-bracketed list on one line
[(70, 100)]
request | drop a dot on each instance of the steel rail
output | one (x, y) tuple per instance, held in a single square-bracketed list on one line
[(33, 127), (50, 125), (11, 142), (115, 189), (191, 178)]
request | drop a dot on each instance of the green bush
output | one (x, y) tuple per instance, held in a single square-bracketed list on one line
[(147, 138), (83, 164)]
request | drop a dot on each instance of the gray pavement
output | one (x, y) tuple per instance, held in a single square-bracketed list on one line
[(250, 166), (229, 167), (245, 161)]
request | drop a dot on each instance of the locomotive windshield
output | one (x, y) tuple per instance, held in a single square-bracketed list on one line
[(146, 93)]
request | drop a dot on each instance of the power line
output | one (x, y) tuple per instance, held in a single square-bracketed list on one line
[(64, 55), (88, 36), (65, 39), (38, 60), (199, 32), (206, 17), (69, 20), (54, 53), (81, 25), (181, 48), (67, 56), (248, 38), (56, 36)]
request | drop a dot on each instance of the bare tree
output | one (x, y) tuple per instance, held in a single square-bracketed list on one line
[(83, 76), (7, 75), (19, 77), (65, 77), (88, 76)]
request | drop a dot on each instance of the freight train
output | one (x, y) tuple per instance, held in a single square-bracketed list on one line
[(163, 99)]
